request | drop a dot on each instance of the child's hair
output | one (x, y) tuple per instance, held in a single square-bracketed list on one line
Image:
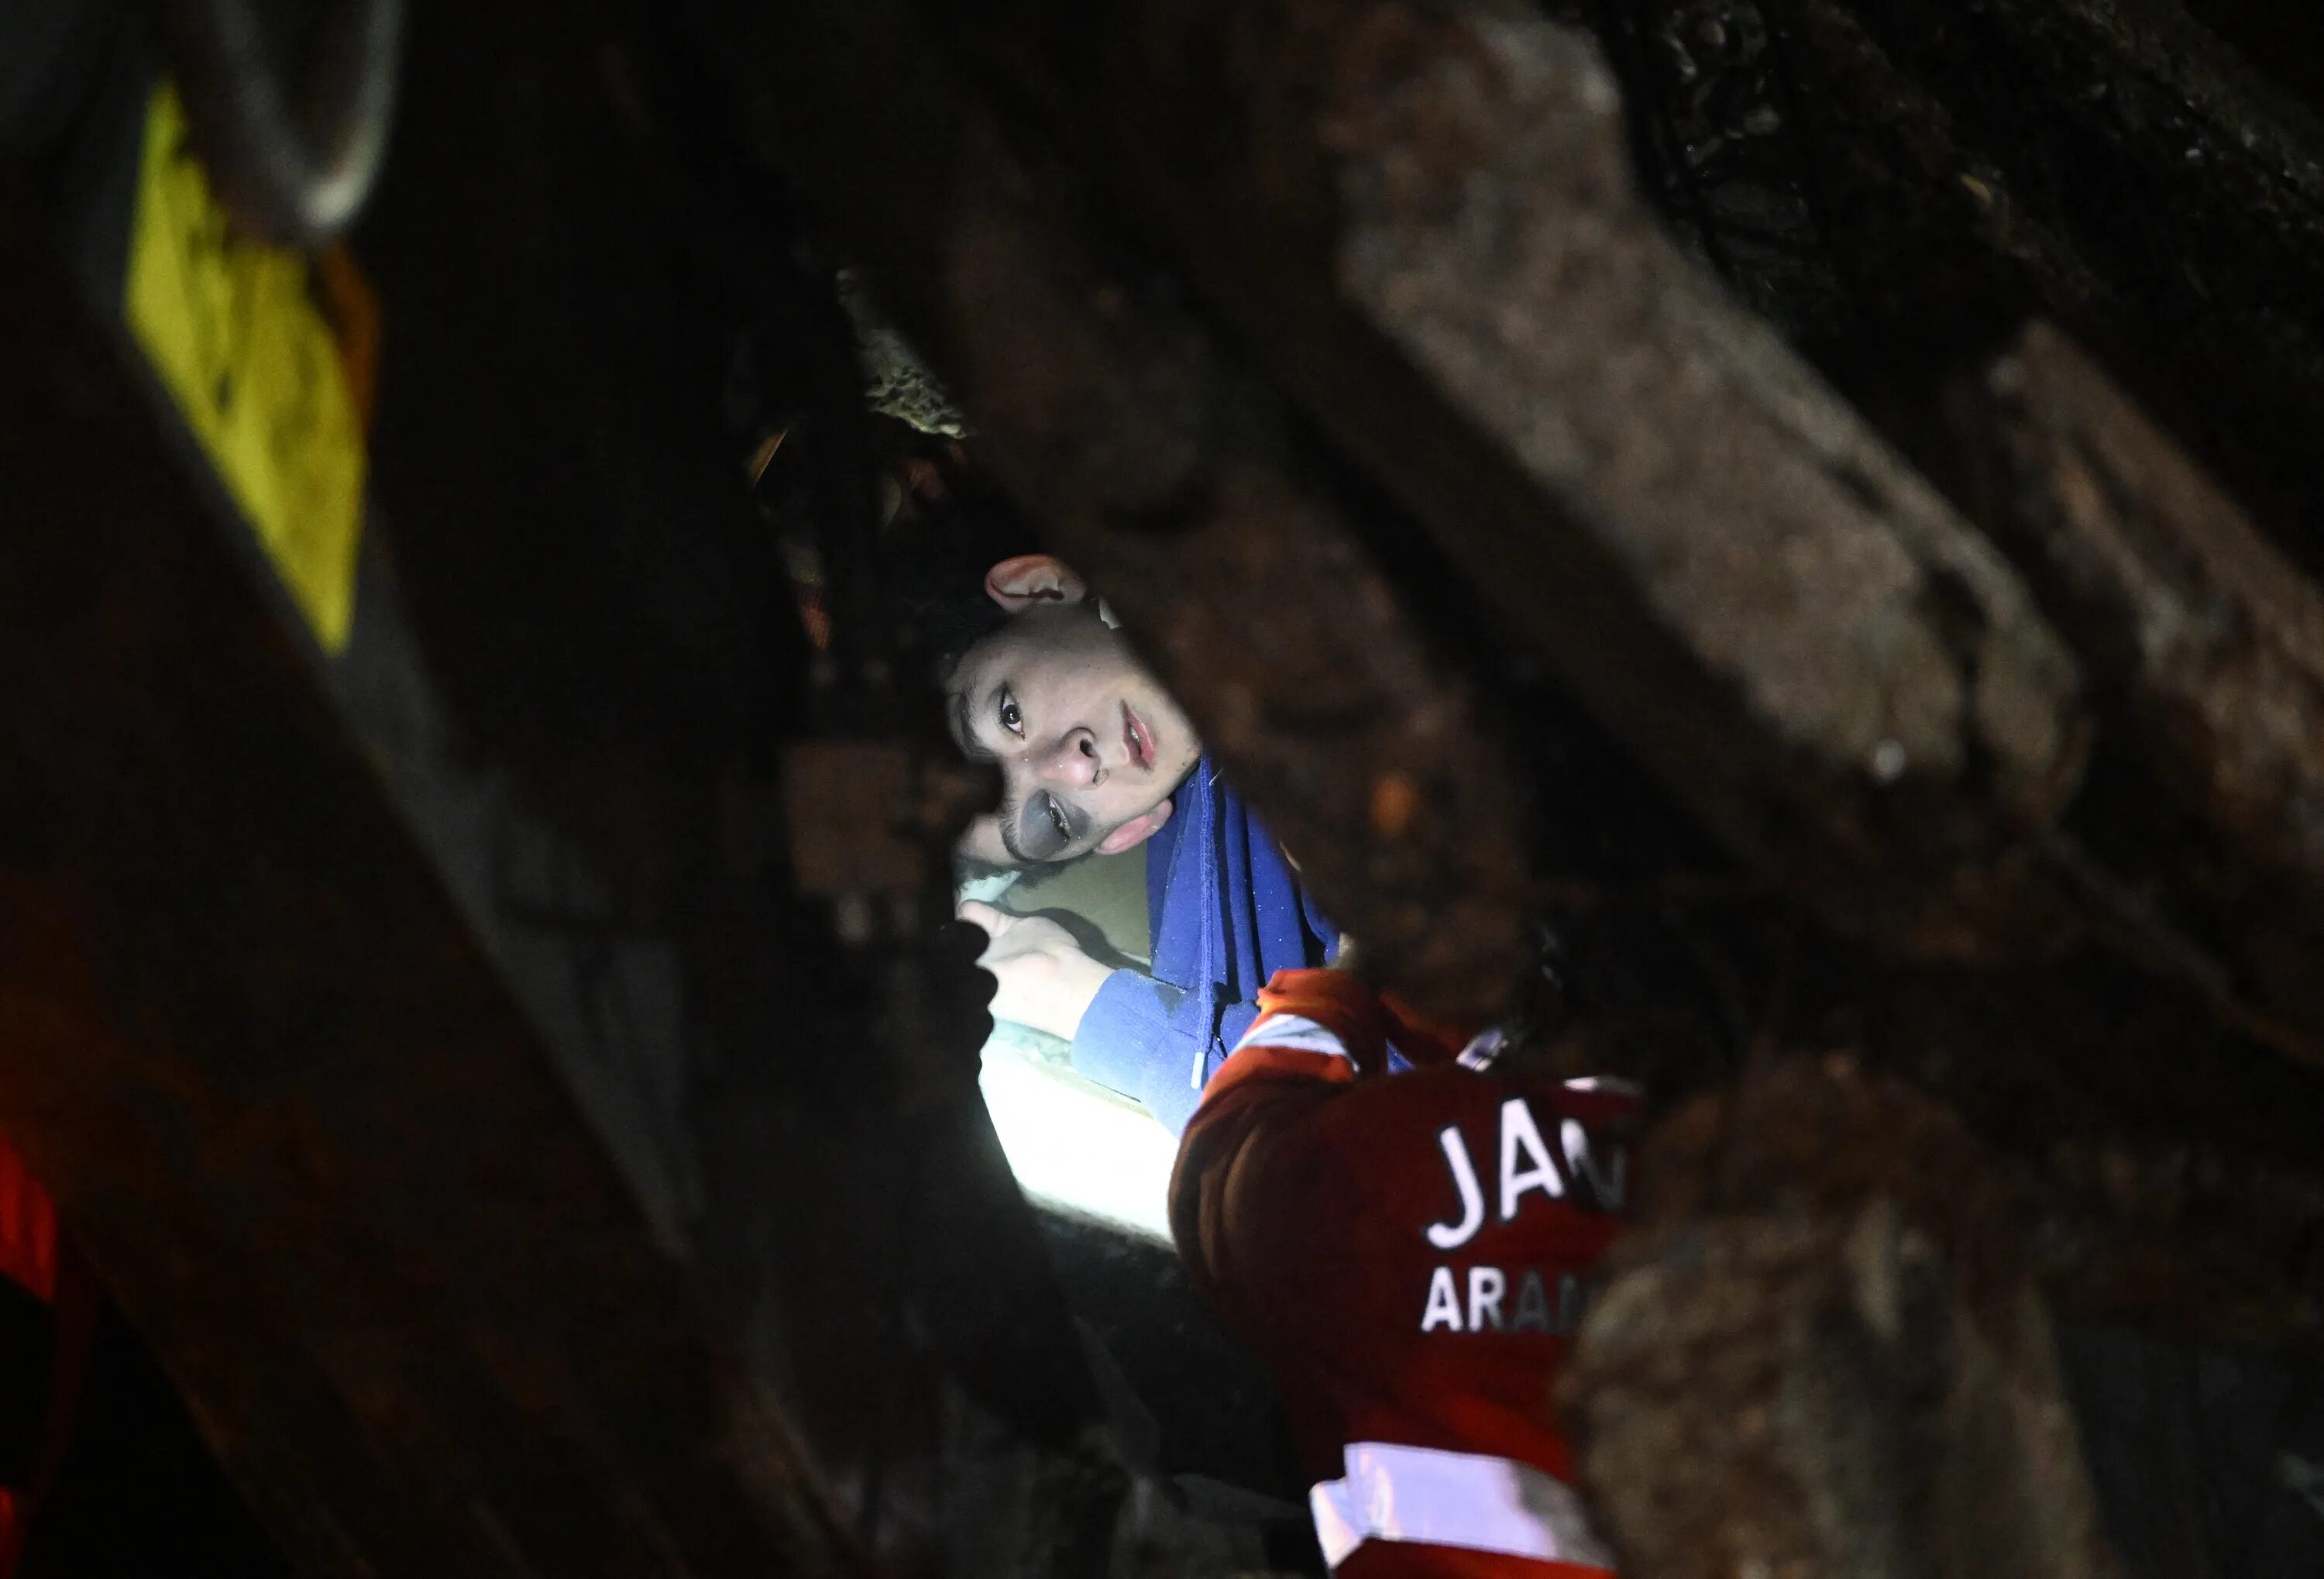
[(934, 559), (946, 622)]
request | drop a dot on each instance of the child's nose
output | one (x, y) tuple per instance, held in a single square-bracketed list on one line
[(1074, 760)]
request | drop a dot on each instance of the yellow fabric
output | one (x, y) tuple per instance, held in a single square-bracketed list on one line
[(234, 332)]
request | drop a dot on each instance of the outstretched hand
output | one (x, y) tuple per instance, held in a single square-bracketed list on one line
[(1044, 978)]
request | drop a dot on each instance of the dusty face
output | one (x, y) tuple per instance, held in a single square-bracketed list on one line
[(1088, 744)]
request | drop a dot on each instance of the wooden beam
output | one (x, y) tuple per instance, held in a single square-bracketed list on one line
[(2211, 644)]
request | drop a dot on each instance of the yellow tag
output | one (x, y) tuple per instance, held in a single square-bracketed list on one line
[(233, 328)]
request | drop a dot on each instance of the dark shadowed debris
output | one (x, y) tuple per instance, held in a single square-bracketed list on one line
[(1417, 218), (1894, 701), (1157, 462), (2164, 1167), (1820, 1354), (2110, 163), (2212, 646), (1420, 217)]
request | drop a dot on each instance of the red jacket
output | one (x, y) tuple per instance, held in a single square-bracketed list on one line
[(48, 1318), (1408, 1253)]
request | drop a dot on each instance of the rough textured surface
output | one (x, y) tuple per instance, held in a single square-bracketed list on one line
[(1416, 218), (2213, 646), (2107, 163), (1818, 1353), (1718, 140), (2163, 1167), (1870, 642), (1421, 217), (1256, 149)]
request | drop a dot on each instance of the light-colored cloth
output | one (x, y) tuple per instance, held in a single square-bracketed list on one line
[(1105, 895), (1470, 1501)]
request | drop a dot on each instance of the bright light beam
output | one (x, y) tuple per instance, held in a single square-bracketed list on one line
[(1078, 1150)]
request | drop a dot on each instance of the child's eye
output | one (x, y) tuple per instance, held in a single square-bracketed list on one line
[(1012, 716)]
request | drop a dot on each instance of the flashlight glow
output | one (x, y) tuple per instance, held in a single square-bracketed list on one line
[(1079, 1148)]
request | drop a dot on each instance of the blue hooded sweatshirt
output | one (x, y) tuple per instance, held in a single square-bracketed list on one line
[(1226, 914)]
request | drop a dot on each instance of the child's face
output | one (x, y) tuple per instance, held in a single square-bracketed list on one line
[(1089, 745)]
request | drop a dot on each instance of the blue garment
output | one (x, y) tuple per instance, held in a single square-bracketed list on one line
[(1226, 914)]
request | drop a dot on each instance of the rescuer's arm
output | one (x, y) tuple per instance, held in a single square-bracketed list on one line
[(1318, 1032)]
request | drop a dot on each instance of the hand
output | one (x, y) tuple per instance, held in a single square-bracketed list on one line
[(1044, 979)]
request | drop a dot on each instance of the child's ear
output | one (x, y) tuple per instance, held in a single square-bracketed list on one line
[(1135, 832), (1018, 584)]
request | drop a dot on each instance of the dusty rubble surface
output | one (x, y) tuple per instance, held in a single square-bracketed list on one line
[(1818, 1353), (1803, 514)]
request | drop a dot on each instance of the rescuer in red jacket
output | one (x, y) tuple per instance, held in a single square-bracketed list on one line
[(48, 1317), (1408, 1252)]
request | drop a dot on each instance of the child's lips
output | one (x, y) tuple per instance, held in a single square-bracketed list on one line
[(1138, 737)]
